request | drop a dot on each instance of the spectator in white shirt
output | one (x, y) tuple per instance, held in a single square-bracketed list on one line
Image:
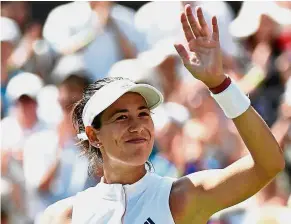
[(53, 166), (157, 20), (23, 120), (21, 123), (10, 36), (104, 32), (160, 19)]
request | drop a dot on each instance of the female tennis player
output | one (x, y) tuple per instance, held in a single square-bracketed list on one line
[(115, 123)]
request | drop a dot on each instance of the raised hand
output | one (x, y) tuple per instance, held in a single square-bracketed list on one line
[(204, 59)]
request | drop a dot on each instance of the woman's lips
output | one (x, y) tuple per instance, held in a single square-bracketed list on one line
[(136, 140)]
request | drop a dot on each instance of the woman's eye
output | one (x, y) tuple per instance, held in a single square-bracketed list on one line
[(143, 114), (122, 117)]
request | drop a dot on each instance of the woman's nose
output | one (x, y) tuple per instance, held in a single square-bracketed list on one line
[(135, 126)]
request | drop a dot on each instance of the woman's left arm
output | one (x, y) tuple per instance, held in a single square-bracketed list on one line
[(213, 190)]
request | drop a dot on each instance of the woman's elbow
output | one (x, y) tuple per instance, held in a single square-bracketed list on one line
[(278, 166)]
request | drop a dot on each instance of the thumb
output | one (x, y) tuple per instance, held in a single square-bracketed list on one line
[(182, 53)]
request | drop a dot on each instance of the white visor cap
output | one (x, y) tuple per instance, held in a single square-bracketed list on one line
[(108, 94)]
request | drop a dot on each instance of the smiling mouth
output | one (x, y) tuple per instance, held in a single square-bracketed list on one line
[(136, 141)]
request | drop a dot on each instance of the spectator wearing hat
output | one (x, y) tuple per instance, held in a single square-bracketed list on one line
[(10, 36), (53, 166), (23, 120), (102, 32), (159, 66), (156, 23), (167, 156), (258, 25), (166, 66)]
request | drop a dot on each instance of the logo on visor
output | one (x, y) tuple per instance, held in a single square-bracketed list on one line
[(149, 221)]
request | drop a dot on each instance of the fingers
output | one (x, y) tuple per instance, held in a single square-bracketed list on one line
[(194, 25), (193, 28), (183, 53), (197, 32), (186, 28), (215, 30), (204, 27)]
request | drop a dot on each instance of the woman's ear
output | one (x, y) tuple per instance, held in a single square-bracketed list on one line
[(92, 134)]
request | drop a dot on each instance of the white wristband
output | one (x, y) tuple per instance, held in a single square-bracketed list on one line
[(232, 101)]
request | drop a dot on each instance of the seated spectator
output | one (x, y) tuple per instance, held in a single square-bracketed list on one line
[(151, 20), (16, 128), (22, 120), (169, 119), (258, 26), (103, 32), (159, 66), (10, 36), (53, 167)]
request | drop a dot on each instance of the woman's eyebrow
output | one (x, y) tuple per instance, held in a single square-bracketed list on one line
[(143, 108), (125, 110)]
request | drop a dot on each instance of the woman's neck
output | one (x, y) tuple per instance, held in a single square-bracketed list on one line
[(123, 175)]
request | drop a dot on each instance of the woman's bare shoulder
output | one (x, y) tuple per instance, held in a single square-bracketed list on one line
[(59, 212)]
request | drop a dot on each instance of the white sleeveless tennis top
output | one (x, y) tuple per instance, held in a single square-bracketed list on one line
[(144, 202)]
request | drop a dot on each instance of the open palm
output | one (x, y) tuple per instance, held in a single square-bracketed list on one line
[(204, 59)]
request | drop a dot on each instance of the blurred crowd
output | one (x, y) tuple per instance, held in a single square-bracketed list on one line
[(45, 67)]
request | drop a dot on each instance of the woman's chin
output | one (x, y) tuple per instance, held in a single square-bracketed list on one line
[(138, 159)]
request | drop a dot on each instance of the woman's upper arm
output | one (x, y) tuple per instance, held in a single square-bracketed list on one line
[(206, 192)]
